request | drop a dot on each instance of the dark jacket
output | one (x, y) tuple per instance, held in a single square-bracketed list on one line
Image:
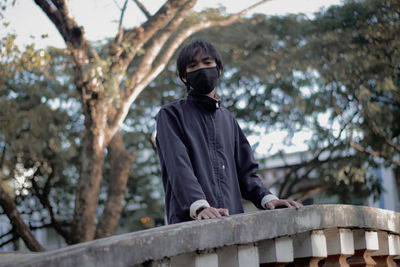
[(204, 155)]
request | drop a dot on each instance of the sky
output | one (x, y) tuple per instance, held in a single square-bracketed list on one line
[(100, 17), (100, 20)]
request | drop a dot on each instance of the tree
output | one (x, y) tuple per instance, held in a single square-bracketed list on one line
[(291, 72), (364, 74), (344, 64), (109, 80)]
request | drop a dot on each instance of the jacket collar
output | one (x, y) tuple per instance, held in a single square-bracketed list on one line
[(207, 102)]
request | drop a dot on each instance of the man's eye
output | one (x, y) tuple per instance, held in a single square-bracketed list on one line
[(192, 66)]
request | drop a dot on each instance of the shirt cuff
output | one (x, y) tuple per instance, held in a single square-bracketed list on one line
[(197, 205), (266, 199)]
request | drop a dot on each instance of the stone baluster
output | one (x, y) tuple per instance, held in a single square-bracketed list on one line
[(340, 246), (388, 249), (365, 243), (397, 260), (276, 252), (238, 256), (205, 258), (309, 248), (157, 263), (397, 248)]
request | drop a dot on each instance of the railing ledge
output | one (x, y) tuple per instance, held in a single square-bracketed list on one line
[(172, 240)]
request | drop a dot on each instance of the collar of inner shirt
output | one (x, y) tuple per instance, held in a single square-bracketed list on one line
[(207, 101)]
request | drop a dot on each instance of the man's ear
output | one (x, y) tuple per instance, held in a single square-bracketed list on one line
[(184, 79)]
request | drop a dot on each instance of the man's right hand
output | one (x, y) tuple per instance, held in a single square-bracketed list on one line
[(211, 213)]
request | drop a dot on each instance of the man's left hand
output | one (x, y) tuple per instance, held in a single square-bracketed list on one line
[(283, 203)]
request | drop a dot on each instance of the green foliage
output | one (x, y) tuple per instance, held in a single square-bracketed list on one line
[(362, 70), (334, 74), (344, 63), (40, 139), (38, 130)]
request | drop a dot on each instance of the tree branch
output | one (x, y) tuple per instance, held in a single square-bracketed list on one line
[(174, 44), (310, 191), (12, 239), (57, 12), (3, 154), (286, 179), (137, 37), (17, 222), (73, 35), (311, 166), (376, 129), (120, 29), (379, 132), (370, 151), (6, 234), (44, 200), (156, 70), (314, 161), (152, 141), (158, 42), (142, 8)]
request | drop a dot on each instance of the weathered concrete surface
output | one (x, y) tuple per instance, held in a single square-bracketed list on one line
[(12, 256), (167, 241)]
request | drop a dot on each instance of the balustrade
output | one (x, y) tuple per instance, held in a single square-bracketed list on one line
[(321, 235)]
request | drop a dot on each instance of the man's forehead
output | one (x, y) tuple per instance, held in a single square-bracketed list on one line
[(200, 57)]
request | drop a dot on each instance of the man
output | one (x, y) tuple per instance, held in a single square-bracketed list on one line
[(206, 161)]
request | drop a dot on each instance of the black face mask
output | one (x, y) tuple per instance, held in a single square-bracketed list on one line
[(203, 80)]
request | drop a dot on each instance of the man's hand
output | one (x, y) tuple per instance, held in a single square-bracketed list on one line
[(283, 203), (211, 213)]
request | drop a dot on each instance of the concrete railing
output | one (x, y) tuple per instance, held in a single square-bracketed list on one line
[(331, 235)]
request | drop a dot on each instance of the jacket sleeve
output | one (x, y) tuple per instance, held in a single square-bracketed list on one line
[(174, 155), (251, 185)]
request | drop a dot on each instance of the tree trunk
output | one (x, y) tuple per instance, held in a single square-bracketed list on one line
[(121, 162), (17, 222), (92, 161)]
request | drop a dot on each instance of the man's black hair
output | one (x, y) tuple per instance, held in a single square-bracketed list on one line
[(191, 50)]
